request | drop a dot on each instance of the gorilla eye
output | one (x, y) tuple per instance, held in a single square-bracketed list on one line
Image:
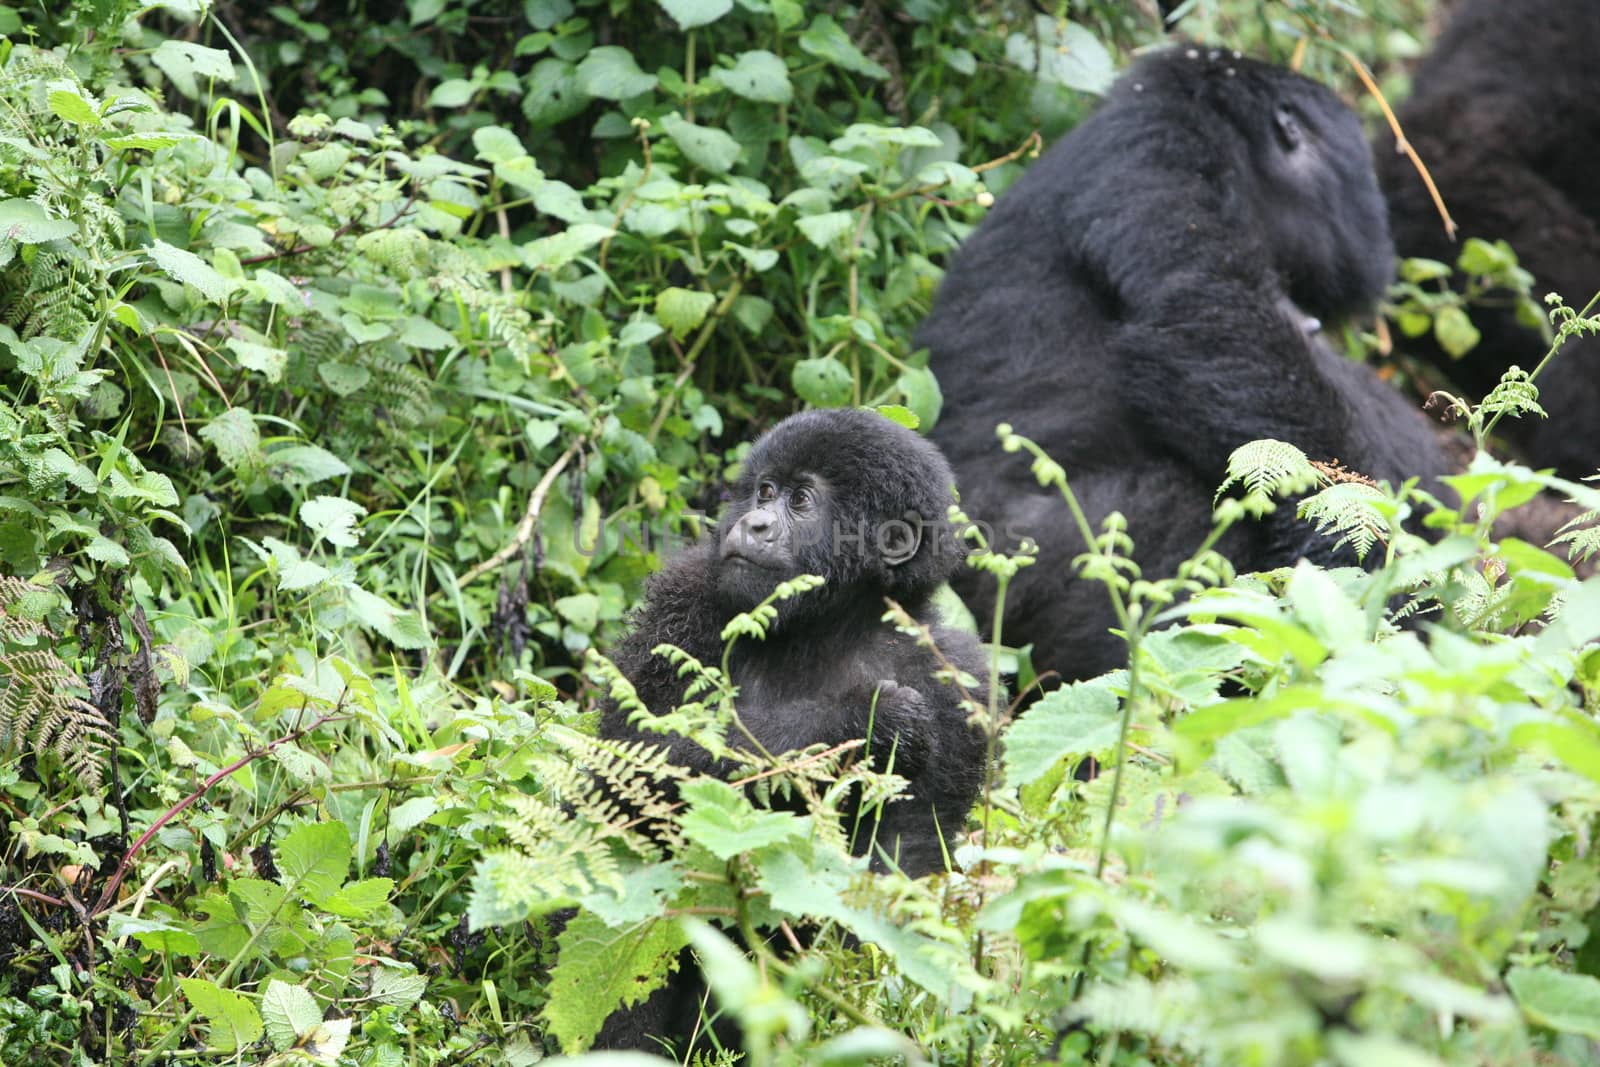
[(766, 493), (802, 498)]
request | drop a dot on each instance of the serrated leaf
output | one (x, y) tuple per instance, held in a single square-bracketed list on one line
[(231, 1018), (289, 1012), (554, 93), (359, 899), (559, 249), (235, 437), (722, 820), (611, 73), (303, 465), (400, 987), (333, 519), (599, 969), (408, 816), (681, 310), (26, 223), (190, 269), (757, 75), (314, 859), (1076, 720), (404, 628), (691, 13), (265, 359), (705, 146), (70, 107), (823, 382)]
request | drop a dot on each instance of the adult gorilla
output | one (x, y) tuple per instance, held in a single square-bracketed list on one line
[(1506, 115), (862, 501), (1147, 298)]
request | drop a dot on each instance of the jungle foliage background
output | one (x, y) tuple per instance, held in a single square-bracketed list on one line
[(357, 361)]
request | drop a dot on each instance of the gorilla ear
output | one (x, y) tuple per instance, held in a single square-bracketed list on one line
[(899, 539), (1287, 127)]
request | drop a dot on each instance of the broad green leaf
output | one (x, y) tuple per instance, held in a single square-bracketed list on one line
[(922, 395), (496, 144), (599, 969), (824, 229), (610, 73), (823, 382), (1569, 1003), (264, 359), (25, 222), (757, 75), (184, 62), (359, 899), (691, 13), (232, 1020), (404, 628), (70, 107), (289, 1012), (1075, 720), (828, 41), (555, 93), (333, 519), (314, 859), (452, 92), (681, 310), (705, 146), (400, 987), (235, 437), (190, 269), (559, 249), (581, 610), (1455, 332), (303, 465), (722, 820)]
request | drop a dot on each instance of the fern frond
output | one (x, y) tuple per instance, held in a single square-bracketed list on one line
[(1582, 535), (1515, 394), (1269, 468), (1349, 510)]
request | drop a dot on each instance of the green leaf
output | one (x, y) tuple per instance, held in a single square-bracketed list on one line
[(1076, 720), (824, 229), (452, 92), (581, 610), (410, 815), (559, 249), (599, 969), (1550, 998), (554, 93), (610, 73), (70, 107), (404, 628), (26, 223), (759, 76), (360, 899), (1455, 332), (691, 13), (922, 395), (182, 61), (828, 41), (332, 519), (496, 144), (289, 1012), (264, 359), (823, 382), (705, 146), (235, 437), (314, 859), (303, 465), (681, 310), (232, 1019), (190, 269), (722, 820)]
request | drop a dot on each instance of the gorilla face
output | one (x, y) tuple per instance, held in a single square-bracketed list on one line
[(766, 535), (1310, 158)]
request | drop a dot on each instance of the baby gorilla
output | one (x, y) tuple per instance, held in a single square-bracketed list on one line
[(861, 501)]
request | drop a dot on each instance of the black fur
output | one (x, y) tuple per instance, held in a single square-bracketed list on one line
[(1144, 300), (1505, 113), (829, 656)]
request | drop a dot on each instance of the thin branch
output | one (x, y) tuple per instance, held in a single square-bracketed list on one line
[(530, 518), (284, 253)]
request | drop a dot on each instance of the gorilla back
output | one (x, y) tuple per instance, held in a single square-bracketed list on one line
[(1145, 299), (1505, 112)]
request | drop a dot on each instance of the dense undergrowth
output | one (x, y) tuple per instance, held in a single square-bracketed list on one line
[(355, 366)]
